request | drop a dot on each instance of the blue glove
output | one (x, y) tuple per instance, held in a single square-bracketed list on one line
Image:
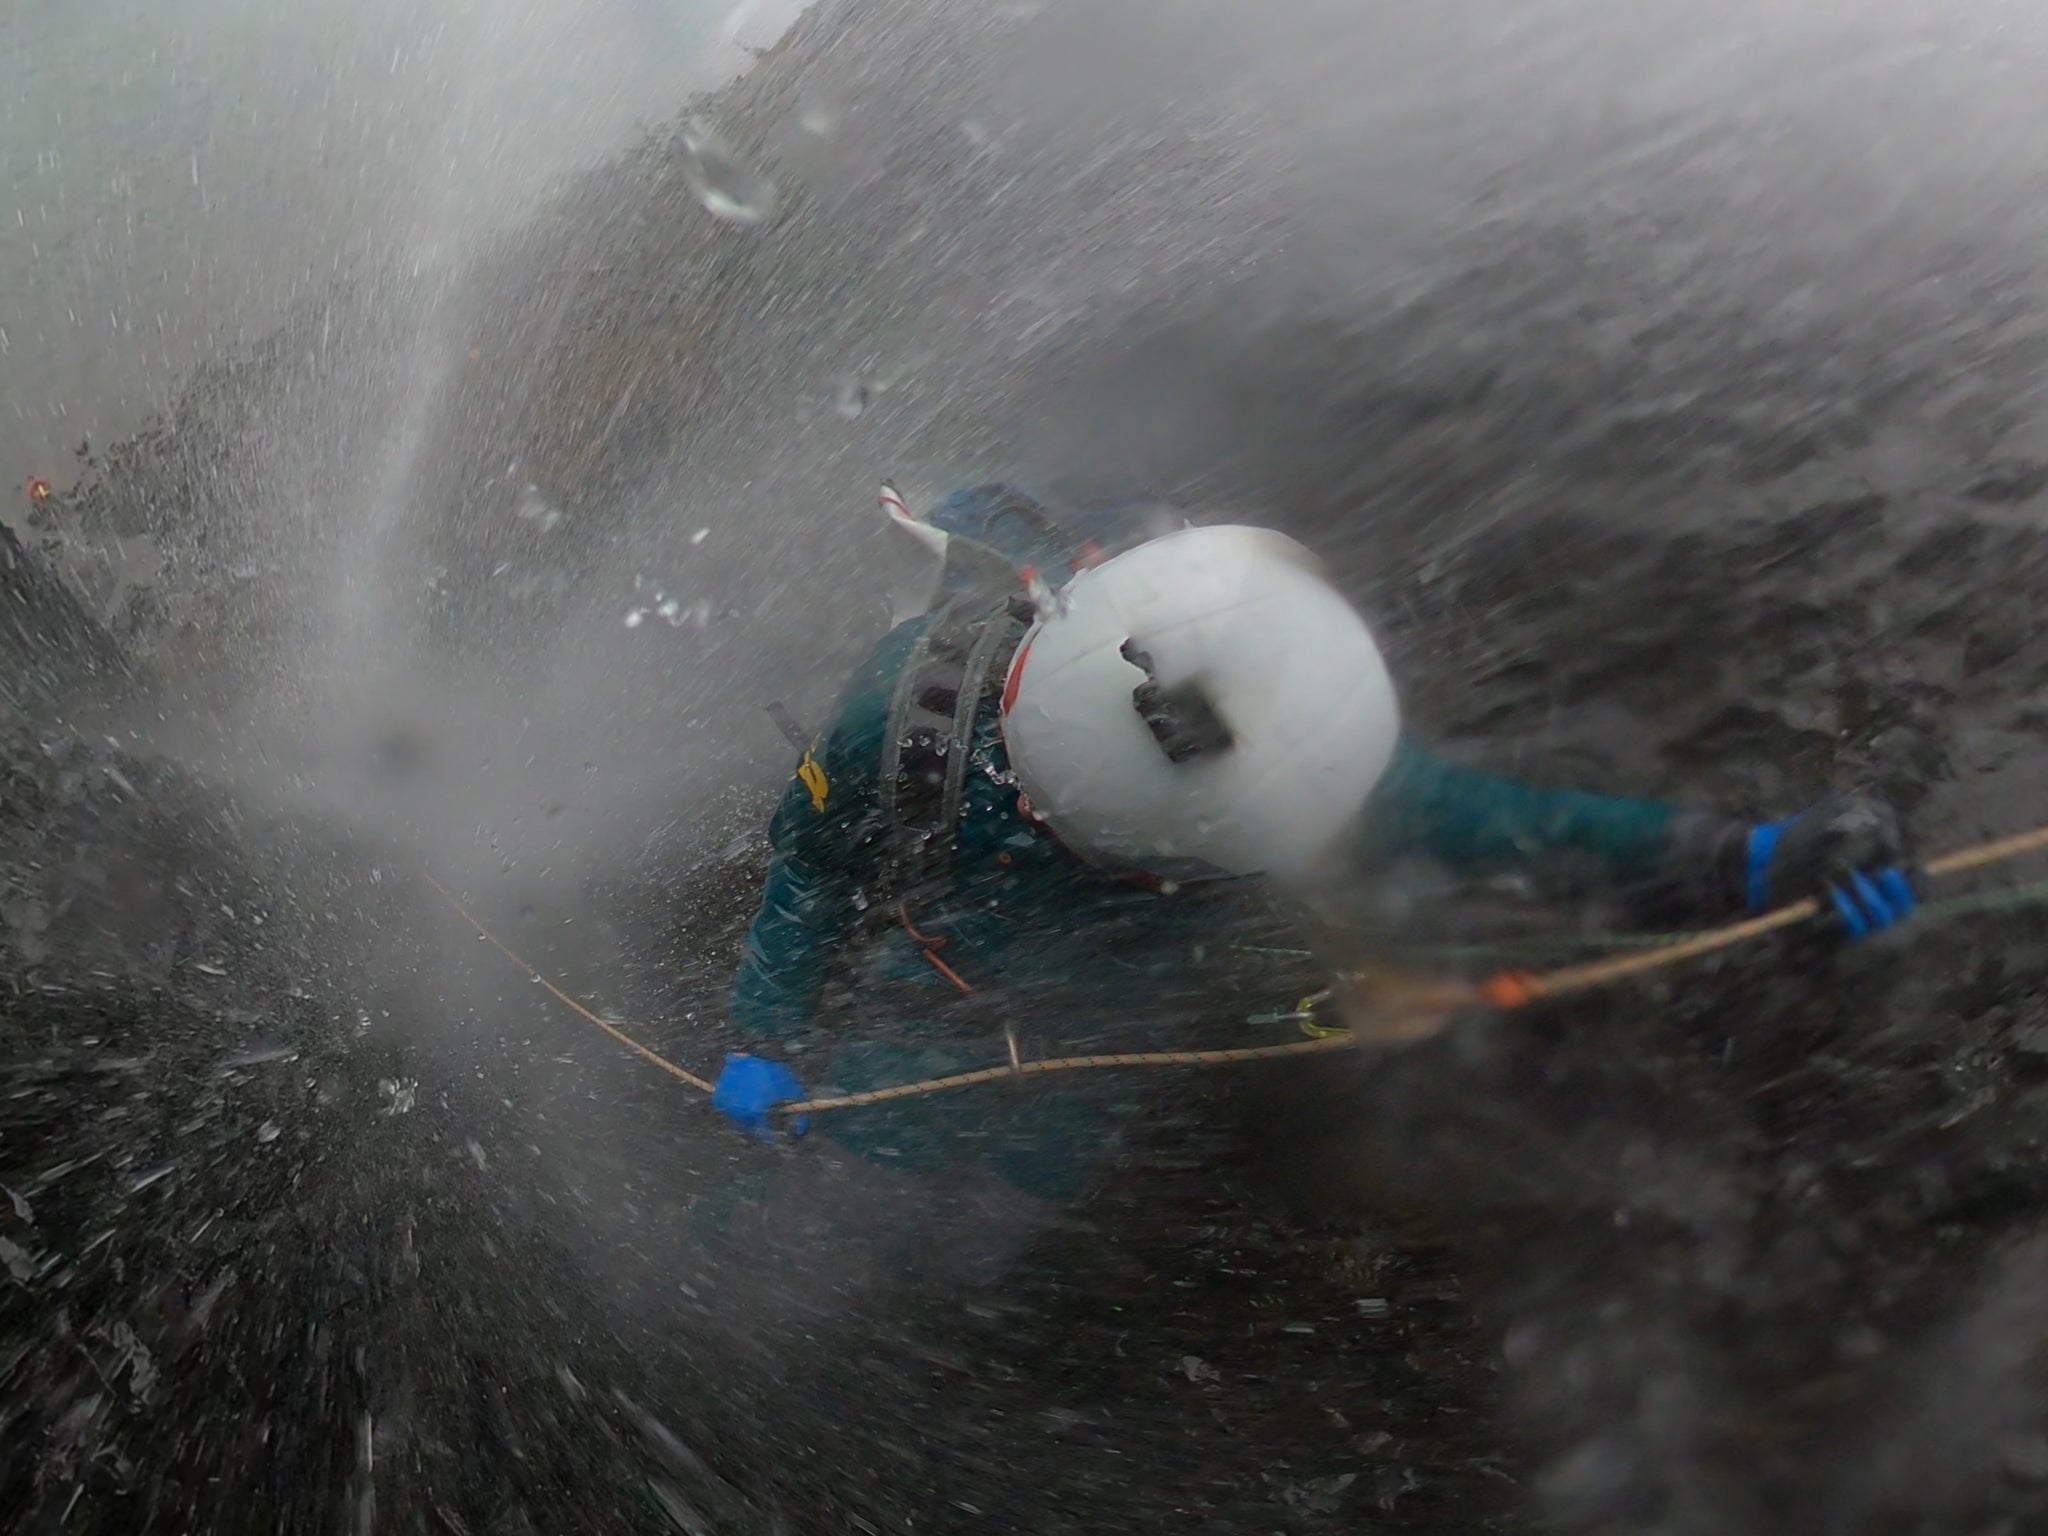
[(749, 1087), (1847, 852)]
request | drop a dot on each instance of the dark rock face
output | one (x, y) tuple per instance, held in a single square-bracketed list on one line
[(1760, 1237), (50, 647)]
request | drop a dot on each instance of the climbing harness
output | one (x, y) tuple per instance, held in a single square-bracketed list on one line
[(1413, 1009)]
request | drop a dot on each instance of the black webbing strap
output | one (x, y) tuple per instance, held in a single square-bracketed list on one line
[(957, 666)]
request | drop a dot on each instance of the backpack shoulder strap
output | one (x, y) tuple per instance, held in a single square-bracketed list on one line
[(938, 695)]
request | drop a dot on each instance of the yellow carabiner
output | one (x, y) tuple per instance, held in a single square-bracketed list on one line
[(1314, 1028), (814, 780)]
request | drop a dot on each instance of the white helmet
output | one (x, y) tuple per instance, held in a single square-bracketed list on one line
[(1203, 704)]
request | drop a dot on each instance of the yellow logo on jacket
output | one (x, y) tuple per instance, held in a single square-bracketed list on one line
[(814, 780)]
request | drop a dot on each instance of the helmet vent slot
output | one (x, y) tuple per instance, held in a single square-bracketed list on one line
[(1182, 719)]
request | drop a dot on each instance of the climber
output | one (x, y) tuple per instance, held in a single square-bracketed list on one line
[(1050, 793)]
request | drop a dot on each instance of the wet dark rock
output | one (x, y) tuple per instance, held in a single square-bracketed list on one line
[(1996, 635), (51, 648), (2016, 480), (1949, 547)]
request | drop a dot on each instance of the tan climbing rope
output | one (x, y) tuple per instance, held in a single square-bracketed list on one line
[(1416, 1007), (564, 998)]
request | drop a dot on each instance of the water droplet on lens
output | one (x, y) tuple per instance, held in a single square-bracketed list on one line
[(727, 189)]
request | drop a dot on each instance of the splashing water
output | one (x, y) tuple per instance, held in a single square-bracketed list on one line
[(537, 509), (399, 1094)]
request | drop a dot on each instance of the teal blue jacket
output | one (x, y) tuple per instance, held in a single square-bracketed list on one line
[(1025, 911), (1075, 958)]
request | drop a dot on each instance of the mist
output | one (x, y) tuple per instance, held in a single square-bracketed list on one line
[(482, 409), (178, 177), (1202, 195)]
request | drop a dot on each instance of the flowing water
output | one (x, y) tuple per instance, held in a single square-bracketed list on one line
[(1665, 383)]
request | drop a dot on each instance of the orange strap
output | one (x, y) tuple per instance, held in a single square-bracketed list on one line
[(929, 945), (1511, 989)]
